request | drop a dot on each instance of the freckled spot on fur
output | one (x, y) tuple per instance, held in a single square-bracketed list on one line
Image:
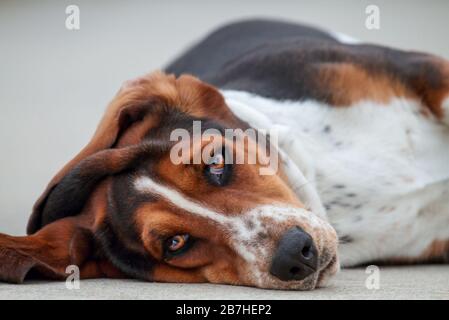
[(228, 225), (262, 235), (339, 186), (324, 257), (338, 203), (249, 224), (351, 195), (345, 239), (327, 129), (358, 206)]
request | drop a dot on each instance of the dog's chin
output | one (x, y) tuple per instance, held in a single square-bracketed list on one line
[(325, 275), (322, 277), (318, 279)]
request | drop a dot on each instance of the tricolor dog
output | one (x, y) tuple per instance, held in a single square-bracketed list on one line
[(362, 175)]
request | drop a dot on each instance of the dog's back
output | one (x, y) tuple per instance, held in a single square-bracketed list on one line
[(207, 58), (372, 116)]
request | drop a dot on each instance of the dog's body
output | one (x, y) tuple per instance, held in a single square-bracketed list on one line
[(381, 166), (381, 171), (363, 135)]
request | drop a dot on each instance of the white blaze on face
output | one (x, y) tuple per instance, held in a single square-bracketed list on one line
[(243, 228)]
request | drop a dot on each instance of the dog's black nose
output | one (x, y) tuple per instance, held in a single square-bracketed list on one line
[(296, 256)]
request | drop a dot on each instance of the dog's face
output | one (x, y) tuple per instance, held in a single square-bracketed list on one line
[(206, 221)]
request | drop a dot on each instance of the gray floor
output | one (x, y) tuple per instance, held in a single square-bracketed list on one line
[(422, 282), (55, 84)]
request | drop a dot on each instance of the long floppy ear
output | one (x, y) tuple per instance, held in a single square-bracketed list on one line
[(131, 104), (50, 251), (128, 117), (70, 195)]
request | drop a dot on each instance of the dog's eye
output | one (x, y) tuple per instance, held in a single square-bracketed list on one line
[(217, 171), (177, 243), (217, 164)]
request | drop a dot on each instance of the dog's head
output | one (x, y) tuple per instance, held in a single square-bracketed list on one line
[(123, 206)]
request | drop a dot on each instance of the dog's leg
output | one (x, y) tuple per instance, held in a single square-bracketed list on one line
[(381, 74), (426, 78)]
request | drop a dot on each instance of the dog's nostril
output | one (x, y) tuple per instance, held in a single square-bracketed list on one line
[(307, 252), (294, 270)]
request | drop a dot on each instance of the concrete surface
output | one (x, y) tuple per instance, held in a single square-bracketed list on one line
[(420, 282)]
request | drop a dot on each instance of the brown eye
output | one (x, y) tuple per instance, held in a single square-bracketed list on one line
[(217, 164), (177, 242), (217, 171)]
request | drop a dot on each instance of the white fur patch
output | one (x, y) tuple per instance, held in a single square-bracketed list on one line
[(297, 177), (381, 171), (145, 184)]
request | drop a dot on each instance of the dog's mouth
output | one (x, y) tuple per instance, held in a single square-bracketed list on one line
[(322, 276), (305, 262), (318, 279), (328, 272)]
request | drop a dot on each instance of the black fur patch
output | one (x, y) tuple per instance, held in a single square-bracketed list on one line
[(283, 61), (130, 262)]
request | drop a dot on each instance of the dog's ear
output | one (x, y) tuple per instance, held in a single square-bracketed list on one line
[(49, 252), (129, 108), (72, 192), (128, 117)]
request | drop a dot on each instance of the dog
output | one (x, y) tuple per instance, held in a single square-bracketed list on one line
[(363, 176)]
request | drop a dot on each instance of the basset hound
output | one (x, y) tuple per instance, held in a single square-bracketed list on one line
[(363, 175)]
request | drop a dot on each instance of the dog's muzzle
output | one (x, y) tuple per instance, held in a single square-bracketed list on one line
[(296, 256)]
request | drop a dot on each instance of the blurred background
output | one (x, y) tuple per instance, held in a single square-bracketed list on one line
[(55, 83)]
